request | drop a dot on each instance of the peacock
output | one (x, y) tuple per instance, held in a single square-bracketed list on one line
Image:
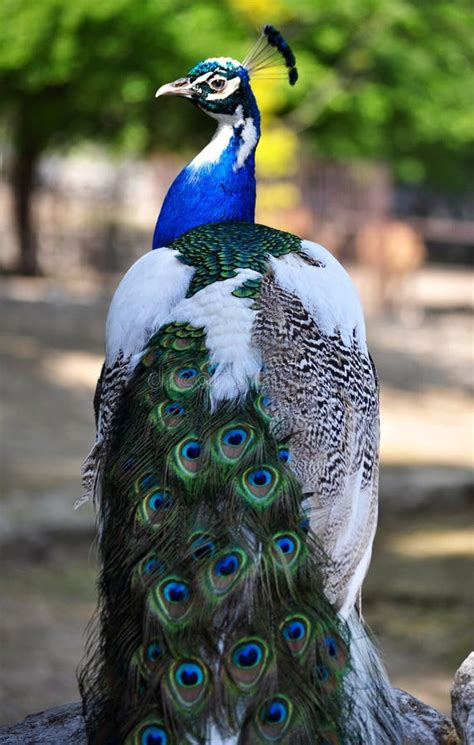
[(234, 469)]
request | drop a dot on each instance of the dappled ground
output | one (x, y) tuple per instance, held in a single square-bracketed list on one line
[(417, 592)]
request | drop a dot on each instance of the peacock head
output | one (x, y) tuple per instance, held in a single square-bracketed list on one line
[(220, 86)]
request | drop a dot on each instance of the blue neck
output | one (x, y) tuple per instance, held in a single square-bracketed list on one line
[(218, 185)]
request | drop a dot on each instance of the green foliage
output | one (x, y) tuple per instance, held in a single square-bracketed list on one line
[(390, 80), (90, 69), (380, 79)]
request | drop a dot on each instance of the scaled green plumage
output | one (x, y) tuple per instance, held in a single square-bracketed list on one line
[(219, 250)]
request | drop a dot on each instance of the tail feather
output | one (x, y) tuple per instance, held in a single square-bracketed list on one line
[(91, 476), (212, 602), (374, 707)]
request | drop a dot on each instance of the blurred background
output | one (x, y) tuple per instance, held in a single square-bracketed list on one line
[(369, 154)]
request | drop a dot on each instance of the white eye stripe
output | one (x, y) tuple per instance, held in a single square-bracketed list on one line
[(230, 88), (203, 78)]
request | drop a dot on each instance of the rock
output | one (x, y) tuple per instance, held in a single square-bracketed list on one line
[(462, 699), (63, 725), (424, 725)]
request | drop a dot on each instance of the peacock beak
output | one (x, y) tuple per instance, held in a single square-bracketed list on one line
[(180, 87)]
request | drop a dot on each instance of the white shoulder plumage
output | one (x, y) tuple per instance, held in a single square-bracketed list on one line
[(325, 289), (142, 303), (310, 332)]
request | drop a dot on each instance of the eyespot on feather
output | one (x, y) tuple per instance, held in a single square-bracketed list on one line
[(143, 483), (168, 415), (148, 570), (225, 571), (147, 659), (284, 454), (262, 404), (332, 650), (246, 661), (233, 440), (183, 380), (273, 718), (153, 655), (153, 508), (188, 681), (151, 731), (259, 486), (202, 546), (286, 549), (325, 677), (296, 631), (172, 600), (151, 356), (187, 457)]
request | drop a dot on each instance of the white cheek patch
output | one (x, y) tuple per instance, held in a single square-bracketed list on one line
[(229, 89)]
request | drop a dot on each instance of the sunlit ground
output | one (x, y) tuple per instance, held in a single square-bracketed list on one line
[(417, 592)]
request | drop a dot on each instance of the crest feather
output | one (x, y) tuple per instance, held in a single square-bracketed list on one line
[(271, 53)]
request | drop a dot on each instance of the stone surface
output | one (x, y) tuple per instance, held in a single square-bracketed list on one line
[(462, 697), (62, 725), (423, 724)]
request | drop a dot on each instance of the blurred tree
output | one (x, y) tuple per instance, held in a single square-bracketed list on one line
[(391, 80), (379, 79), (89, 70)]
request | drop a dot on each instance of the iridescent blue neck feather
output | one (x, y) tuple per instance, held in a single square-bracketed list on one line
[(219, 184)]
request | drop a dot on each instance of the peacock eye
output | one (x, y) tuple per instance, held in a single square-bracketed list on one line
[(153, 566), (189, 675), (227, 565), (154, 736), (217, 84), (153, 652), (235, 437)]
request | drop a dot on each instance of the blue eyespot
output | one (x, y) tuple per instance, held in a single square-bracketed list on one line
[(304, 525), (322, 673), (235, 437), (202, 547), (331, 645), (266, 401), (153, 566), (284, 455), (154, 736), (192, 450), (159, 501), (148, 481), (176, 592), (187, 373), (260, 477), (153, 652), (248, 655), (189, 675), (294, 630), (174, 409), (226, 565), (275, 712), (285, 544)]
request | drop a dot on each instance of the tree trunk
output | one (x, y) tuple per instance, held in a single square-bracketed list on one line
[(23, 179)]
